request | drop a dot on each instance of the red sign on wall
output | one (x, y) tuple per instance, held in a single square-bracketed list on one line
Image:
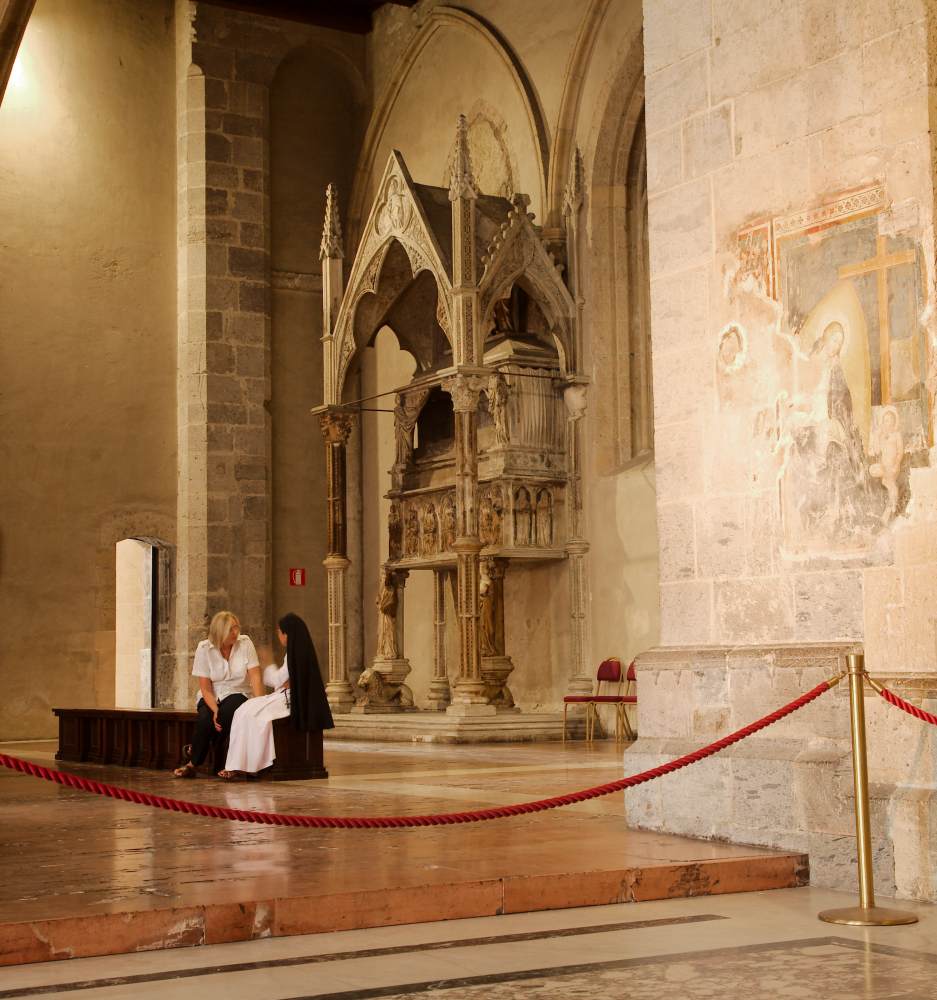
[(297, 578)]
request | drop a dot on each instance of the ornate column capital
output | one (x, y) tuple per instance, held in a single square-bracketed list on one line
[(336, 425), (575, 398), (465, 390)]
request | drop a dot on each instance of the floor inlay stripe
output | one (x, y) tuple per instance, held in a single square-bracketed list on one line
[(212, 970)]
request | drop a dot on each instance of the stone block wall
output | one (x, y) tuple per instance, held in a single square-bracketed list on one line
[(791, 244), (224, 322)]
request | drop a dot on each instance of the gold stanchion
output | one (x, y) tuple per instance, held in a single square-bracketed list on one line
[(866, 914)]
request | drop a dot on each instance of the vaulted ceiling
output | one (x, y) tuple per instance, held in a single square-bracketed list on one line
[(346, 15)]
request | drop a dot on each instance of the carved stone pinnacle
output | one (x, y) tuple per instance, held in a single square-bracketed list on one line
[(331, 245), (462, 180)]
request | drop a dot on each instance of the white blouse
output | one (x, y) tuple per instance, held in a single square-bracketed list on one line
[(227, 676), (276, 677)]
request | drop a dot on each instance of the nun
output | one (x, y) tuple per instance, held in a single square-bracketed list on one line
[(298, 692)]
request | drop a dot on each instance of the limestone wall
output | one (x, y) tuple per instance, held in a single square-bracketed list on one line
[(87, 347), (791, 253)]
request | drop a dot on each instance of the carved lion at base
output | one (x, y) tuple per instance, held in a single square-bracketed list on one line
[(377, 691)]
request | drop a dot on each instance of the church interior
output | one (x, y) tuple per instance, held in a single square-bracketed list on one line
[(570, 369)]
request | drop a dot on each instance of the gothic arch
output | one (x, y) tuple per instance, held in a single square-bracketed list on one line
[(439, 18), (618, 330)]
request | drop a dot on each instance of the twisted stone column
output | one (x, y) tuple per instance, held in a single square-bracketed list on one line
[(336, 428)]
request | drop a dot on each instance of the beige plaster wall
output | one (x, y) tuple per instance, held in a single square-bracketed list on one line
[(87, 345)]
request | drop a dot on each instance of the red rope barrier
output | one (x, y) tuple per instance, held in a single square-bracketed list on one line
[(396, 822), (905, 706)]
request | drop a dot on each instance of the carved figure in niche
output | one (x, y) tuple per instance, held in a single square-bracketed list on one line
[(387, 618), (394, 213), (430, 530), (448, 524), (544, 518), (504, 320), (890, 450), (487, 612), (403, 433), (394, 531), (413, 532), (498, 394), (486, 520), (523, 517), (377, 691)]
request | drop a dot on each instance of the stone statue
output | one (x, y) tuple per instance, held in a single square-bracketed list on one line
[(394, 531), (486, 521), (387, 618), (448, 524), (403, 433), (430, 530), (487, 612), (504, 321), (378, 691), (523, 516), (498, 393), (544, 518), (412, 532)]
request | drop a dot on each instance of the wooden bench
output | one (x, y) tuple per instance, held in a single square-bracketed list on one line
[(154, 738)]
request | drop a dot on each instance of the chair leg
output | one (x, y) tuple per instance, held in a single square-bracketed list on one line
[(629, 732)]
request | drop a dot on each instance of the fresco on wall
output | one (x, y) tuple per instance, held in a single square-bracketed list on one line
[(851, 408)]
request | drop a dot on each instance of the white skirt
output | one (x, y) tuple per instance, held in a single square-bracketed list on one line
[(250, 747)]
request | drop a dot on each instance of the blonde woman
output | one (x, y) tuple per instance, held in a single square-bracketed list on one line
[(228, 671)]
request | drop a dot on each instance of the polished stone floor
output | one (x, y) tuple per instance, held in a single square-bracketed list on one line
[(81, 875), (751, 946)]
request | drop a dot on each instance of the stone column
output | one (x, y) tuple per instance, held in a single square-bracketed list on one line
[(439, 693), (496, 666), (580, 678), (469, 695), (336, 428)]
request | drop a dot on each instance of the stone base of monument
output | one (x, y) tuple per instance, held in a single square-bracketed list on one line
[(448, 727)]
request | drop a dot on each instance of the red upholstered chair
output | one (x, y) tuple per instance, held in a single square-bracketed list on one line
[(609, 674)]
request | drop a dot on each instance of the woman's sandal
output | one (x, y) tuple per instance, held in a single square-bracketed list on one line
[(232, 775), (188, 770)]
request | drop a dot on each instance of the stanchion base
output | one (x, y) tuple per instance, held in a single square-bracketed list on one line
[(868, 916)]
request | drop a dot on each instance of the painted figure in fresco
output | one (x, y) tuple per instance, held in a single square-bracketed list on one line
[(430, 530), (448, 524), (827, 470), (413, 533), (730, 348), (523, 515), (890, 457), (387, 618), (394, 531), (498, 393)]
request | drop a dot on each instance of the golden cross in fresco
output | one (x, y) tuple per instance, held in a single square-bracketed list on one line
[(879, 265)]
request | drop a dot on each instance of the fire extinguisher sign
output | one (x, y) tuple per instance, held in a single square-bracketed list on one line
[(297, 578)]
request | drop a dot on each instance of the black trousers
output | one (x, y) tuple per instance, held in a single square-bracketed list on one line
[(205, 732)]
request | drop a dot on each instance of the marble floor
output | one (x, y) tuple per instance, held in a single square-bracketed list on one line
[(737, 947), (83, 876)]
